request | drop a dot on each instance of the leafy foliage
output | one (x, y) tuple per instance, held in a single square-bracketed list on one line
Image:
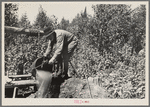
[(11, 19), (63, 24), (42, 20), (111, 47), (24, 22), (106, 50)]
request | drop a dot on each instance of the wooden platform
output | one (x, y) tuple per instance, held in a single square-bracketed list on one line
[(19, 76), (23, 83)]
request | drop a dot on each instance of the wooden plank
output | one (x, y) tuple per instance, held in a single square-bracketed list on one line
[(17, 30), (19, 76), (21, 83), (24, 82), (14, 93)]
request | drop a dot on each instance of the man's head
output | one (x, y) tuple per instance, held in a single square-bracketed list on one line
[(49, 34), (48, 30)]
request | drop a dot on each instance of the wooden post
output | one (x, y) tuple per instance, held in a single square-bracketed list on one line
[(15, 90), (89, 87), (7, 73), (38, 44)]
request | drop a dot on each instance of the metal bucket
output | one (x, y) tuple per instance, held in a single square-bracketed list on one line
[(43, 77)]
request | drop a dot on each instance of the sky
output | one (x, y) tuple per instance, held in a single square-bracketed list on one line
[(60, 10), (68, 10)]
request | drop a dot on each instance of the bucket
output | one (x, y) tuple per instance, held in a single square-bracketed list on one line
[(43, 77)]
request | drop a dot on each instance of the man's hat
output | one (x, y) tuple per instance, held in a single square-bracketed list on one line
[(48, 32)]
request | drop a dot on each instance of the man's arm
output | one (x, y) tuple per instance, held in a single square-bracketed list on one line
[(59, 48), (49, 48)]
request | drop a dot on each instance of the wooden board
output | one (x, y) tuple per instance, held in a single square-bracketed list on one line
[(21, 83), (19, 76)]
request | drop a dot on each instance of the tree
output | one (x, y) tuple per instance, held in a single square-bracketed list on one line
[(64, 24), (24, 22), (42, 20), (11, 19), (84, 14), (80, 23), (138, 28), (112, 26)]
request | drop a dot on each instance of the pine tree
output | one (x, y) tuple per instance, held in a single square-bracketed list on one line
[(84, 14), (24, 22), (64, 23), (11, 18), (42, 20)]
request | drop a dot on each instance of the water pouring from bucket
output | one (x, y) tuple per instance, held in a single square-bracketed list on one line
[(43, 72)]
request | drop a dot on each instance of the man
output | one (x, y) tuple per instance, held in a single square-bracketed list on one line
[(64, 43)]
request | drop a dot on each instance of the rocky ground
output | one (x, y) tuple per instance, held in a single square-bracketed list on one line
[(80, 88)]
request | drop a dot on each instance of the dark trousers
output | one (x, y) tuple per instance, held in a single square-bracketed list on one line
[(67, 53)]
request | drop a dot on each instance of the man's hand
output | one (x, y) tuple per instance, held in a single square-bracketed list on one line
[(51, 62), (55, 75), (45, 55)]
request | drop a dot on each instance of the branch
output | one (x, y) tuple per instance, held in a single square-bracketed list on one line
[(17, 30)]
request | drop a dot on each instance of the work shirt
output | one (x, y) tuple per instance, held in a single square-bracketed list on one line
[(61, 40)]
